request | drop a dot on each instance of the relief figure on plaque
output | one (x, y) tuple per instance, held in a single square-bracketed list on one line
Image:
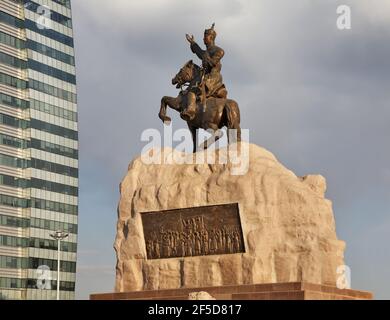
[(205, 241), (189, 243), (214, 242), (198, 247), (166, 245), (149, 248), (157, 249), (236, 242), (183, 244)]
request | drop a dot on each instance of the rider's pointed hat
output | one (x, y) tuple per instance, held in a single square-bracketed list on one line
[(211, 31)]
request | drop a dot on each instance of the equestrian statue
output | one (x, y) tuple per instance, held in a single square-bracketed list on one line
[(203, 103)]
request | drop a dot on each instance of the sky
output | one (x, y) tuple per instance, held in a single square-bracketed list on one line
[(315, 96)]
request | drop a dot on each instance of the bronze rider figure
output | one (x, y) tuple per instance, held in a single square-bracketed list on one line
[(212, 82)]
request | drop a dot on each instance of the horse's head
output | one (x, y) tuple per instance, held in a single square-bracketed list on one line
[(186, 74)]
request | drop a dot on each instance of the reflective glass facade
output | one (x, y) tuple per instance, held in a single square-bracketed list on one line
[(38, 149)]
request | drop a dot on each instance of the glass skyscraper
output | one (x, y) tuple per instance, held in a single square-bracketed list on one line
[(38, 149)]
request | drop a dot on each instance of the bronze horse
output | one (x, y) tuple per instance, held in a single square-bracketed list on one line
[(215, 114)]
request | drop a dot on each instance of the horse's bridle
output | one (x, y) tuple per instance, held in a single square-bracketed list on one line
[(197, 84)]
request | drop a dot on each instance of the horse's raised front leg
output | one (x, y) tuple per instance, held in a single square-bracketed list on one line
[(163, 110), (172, 102)]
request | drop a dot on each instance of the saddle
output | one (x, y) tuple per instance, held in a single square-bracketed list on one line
[(220, 93)]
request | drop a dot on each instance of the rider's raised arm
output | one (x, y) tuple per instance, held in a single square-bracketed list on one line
[(198, 50)]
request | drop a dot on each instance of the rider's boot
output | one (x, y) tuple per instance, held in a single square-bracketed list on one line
[(189, 113)]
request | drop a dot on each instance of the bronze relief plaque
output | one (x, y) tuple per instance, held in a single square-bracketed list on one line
[(195, 231)]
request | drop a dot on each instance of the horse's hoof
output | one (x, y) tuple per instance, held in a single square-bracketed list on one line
[(184, 116), (165, 119)]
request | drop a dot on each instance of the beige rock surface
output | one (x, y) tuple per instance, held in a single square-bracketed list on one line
[(201, 295), (288, 225)]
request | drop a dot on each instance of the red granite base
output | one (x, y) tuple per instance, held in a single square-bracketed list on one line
[(272, 291)]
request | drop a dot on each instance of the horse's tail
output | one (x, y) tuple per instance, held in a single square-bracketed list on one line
[(233, 117)]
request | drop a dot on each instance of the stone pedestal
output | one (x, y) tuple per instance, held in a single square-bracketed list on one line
[(281, 230), (274, 291)]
